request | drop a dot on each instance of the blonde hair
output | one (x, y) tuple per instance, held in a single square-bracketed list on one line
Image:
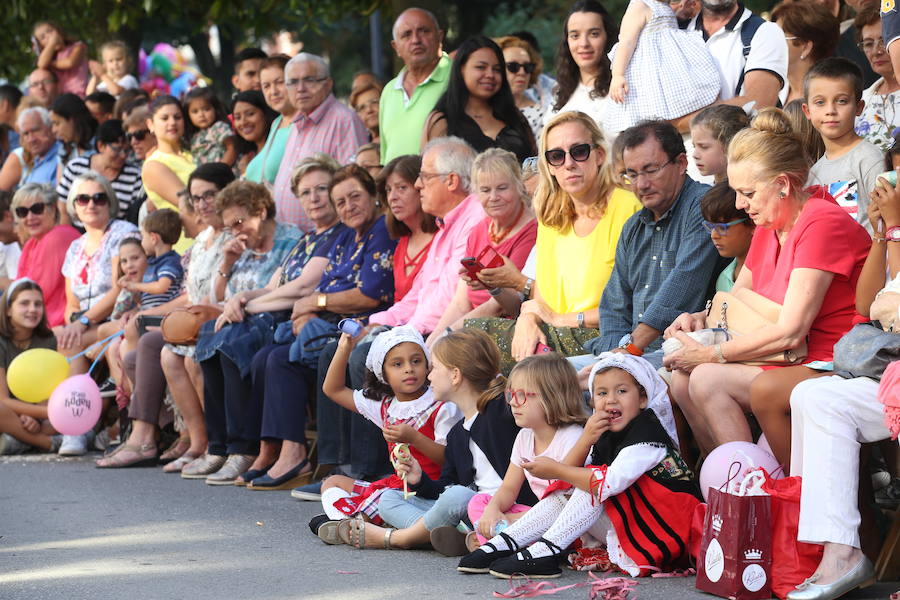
[(497, 161), (556, 381), (772, 146), (477, 357), (121, 46), (552, 205), (812, 139)]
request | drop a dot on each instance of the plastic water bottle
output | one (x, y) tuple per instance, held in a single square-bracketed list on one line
[(501, 525), (351, 327)]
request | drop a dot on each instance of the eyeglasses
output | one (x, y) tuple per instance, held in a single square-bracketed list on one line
[(631, 177), (722, 228), (116, 149), (35, 209), (518, 397), (317, 190), (870, 46), (41, 83), (306, 81), (578, 152), (513, 67), (236, 225), (425, 176), (138, 135), (99, 199), (373, 103), (204, 198)]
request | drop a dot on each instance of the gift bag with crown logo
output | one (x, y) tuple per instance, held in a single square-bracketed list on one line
[(735, 558)]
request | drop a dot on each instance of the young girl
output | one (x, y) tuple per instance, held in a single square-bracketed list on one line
[(636, 494), (23, 326), (111, 74), (683, 76), (212, 139), (730, 229), (711, 130), (464, 371), (547, 404), (397, 399), (67, 58)]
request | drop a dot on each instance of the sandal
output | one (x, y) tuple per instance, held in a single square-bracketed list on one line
[(353, 533), (141, 456), (178, 448), (179, 463)]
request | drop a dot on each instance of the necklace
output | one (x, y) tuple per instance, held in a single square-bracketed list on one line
[(497, 237)]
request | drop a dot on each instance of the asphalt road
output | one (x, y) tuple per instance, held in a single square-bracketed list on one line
[(71, 531)]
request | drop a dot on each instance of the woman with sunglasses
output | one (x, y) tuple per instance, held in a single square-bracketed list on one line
[(35, 208), (523, 67), (478, 105), (140, 139), (111, 161), (90, 263)]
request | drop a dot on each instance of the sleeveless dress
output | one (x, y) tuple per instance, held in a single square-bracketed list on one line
[(671, 73)]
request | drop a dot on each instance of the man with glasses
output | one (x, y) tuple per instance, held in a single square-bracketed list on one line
[(407, 99), (37, 159), (665, 262), (43, 86), (321, 124)]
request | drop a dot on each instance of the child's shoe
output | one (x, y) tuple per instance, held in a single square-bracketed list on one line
[(481, 561), (545, 567)]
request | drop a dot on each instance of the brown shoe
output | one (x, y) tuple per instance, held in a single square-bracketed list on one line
[(233, 467), (203, 467), (449, 541)]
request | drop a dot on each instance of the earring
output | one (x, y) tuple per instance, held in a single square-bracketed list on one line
[(783, 195), (802, 57)]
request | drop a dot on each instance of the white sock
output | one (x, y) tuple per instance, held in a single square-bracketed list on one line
[(329, 497), (532, 525), (576, 518)]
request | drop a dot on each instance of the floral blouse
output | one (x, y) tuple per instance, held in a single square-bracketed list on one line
[(203, 266), (880, 118), (208, 145), (90, 277), (252, 270), (367, 264), (310, 245)]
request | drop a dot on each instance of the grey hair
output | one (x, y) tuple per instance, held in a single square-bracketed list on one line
[(455, 156), (497, 161), (427, 13), (40, 111), (44, 192), (102, 182), (324, 70), (317, 162)]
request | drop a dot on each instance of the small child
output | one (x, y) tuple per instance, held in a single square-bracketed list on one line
[(160, 231), (207, 127), (112, 74), (685, 75), (711, 131), (833, 91), (398, 399), (101, 106), (635, 479), (65, 57), (731, 231)]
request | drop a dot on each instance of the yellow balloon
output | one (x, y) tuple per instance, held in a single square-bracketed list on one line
[(34, 374)]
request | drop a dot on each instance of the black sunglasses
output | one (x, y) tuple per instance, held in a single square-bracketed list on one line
[(99, 199), (578, 152), (35, 209), (138, 135), (513, 67)]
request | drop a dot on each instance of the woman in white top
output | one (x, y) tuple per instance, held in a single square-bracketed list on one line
[(582, 66)]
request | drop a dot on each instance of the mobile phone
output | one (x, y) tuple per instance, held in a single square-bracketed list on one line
[(146, 321), (472, 266), (490, 258), (542, 348)]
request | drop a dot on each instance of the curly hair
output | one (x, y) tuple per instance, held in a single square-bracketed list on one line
[(253, 197)]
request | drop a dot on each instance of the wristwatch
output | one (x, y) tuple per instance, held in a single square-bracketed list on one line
[(892, 234), (322, 301), (580, 319), (627, 344), (526, 289), (84, 321)]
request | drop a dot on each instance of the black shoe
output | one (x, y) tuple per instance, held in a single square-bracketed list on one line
[(481, 561), (545, 567), (108, 389), (316, 522)]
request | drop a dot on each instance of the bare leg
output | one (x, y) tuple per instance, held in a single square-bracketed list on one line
[(185, 395), (80, 364), (722, 394), (338, 481), (837, 560), (268, 454), (10, 423), (411, 537), (691, 412), (292, 454)]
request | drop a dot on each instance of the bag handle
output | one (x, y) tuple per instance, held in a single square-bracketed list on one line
[(724, 486)]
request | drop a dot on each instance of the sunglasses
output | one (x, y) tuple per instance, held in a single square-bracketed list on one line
[(138, 135), (722, 228), (578, 152), (99, 199), (513, 67), (35, 209)]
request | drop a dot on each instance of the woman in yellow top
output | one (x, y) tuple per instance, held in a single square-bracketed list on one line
[(166, 170)]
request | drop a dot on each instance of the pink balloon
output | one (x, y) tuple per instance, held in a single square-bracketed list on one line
[(75, 405), (763, 443), (733, 460)]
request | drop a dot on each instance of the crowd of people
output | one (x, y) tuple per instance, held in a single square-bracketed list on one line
[(510, 306)]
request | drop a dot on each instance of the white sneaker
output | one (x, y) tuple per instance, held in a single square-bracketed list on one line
[(73, 445)]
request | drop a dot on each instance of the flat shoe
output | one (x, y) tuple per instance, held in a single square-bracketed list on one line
[(328, 532), (144, 456), (449, 541), (860, 576), (288, 481), (245, 478), (179, 463)]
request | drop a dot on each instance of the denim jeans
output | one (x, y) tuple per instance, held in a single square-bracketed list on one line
[(448, 510)]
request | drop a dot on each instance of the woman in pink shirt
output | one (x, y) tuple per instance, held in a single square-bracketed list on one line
[(34, 205)]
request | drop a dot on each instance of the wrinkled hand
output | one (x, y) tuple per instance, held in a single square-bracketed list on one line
[(618, 88), (685, 322), (400, 434), (507, 276), (538, 308), (233, 311), (596, 425), (690, 355), (526, 336), (543, 467), (475, 284), (411, 468), (303, 306), (299, 321), (29, 424), (231, 252)]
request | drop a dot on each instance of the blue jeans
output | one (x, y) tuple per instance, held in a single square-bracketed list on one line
[(448, 510)]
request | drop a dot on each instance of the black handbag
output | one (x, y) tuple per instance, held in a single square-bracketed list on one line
[(865, 351)]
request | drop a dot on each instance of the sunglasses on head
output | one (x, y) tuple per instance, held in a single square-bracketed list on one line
[(99, 199), (578, 152), (513, 67), (35, 209), (137, 135)]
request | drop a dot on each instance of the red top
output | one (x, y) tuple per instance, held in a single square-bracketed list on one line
[(825, 237), (42, 260), (402, 281), (515, 247)]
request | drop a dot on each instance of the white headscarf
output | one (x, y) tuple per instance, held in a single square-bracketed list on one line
[(646, 375), (387, 340)]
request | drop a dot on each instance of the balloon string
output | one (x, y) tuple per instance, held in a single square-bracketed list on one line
[(94, 345), (100, 355)]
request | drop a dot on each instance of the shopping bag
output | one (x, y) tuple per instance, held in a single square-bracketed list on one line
[(735, 556), (792, 561)]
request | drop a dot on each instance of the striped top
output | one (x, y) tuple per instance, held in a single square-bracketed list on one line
[(128, 186), (167, 265)]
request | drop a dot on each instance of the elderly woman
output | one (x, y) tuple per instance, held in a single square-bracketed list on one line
[(152, 366), (138, 137), (880, 116), (523, 67), (36, 209), (264, 166), (806, 255), (364, 99), (110, 160), (252, 121), (509, 231), (36, 160), (812, 33)]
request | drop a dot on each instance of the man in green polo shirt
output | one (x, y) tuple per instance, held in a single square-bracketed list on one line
[(407, 99)]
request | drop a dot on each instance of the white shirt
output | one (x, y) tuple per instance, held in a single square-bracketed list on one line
[(127, 82), (9, 259), (768, 51), (487, 480), (581, 100), (447, 415)]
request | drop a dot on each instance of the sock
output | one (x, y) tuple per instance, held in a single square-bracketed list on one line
[(576, 518), (329, 497), (531, 526)]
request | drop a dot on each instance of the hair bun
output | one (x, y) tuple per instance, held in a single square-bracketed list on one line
[(772, 120)]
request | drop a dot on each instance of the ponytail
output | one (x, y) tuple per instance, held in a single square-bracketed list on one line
[(477, 358), (496, 387)]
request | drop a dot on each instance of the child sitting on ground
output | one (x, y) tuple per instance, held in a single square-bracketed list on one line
[(711, 131), (730, 228), (635, 478)]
